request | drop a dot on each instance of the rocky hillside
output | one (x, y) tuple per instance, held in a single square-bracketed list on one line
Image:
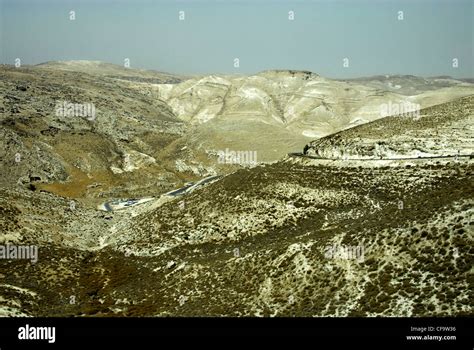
[(443, 130), (129, 139), (299, 237), (113, 71), (407, 84)]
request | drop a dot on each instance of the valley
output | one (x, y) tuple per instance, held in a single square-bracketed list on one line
[(149, 209)]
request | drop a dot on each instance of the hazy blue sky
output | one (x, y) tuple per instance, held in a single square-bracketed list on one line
[(259, 33)]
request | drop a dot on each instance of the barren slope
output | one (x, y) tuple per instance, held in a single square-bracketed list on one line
[(256, 243), (442, 130)]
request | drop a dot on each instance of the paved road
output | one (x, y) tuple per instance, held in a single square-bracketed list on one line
[(296, 154), (203, 182), (119, 204), (122, 204), (107, 206), (192, 186), (180, 191)]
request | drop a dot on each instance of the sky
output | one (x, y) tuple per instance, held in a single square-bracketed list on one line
[(435, 37)]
